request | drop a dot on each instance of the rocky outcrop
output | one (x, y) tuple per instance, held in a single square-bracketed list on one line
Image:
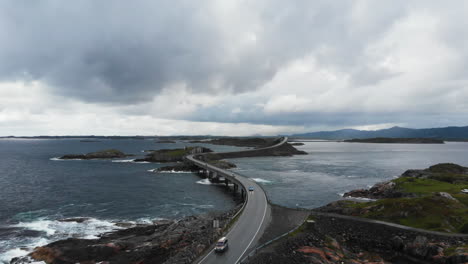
[(179, 167), (103, 154), (438, 172), (283, 150), (172, 155), (378, 191), (339, 239), (164, 242), (296, 143), (185, 166)]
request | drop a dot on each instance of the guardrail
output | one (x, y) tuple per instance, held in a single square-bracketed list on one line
[(255, 250)]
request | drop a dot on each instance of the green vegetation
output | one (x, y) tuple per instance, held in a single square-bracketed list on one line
[(421, 186), (450, 251), (179, 152), (434, 201)]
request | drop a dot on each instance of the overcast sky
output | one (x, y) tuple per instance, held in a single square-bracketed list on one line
[(230, 67)]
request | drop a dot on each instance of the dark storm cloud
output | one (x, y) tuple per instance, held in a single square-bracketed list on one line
[(127, 51), (117, 50)]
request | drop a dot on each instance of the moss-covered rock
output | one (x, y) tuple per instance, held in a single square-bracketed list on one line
[(172, 155), (430, 199), (103, 154)]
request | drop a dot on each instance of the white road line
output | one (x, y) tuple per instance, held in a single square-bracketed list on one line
[(209, 253), (260, 226)]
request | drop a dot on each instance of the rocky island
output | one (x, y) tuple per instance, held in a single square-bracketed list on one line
[(172, 155), (238, 142), (103, 154), (396, 140)]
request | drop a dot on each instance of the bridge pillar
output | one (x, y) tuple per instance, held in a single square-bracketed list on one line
[(236, 187), (243, 193)]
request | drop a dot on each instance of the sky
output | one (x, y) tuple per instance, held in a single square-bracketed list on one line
[(231, 67)]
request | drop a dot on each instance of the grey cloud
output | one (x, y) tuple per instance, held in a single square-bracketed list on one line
[(126, 52)]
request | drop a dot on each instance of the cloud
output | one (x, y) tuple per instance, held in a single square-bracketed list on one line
[(275, 65)]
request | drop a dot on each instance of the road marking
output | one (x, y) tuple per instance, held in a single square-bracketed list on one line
[(209, 253), (260, 226)]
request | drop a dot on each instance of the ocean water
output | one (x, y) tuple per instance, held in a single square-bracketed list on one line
[(37, 191), (333, 168)]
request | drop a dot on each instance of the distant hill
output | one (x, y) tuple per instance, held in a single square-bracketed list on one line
[(446, 133)]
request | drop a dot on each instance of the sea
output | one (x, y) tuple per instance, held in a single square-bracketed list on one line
[(39, 191)]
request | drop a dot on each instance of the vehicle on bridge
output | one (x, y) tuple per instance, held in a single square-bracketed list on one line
[(221, 245), (251, 188)]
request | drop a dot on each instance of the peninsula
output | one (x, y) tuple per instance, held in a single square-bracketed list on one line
[(396, 140)]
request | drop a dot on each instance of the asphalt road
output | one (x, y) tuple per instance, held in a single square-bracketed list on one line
[(251, 222)]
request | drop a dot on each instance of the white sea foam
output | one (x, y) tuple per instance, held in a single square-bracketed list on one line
[(5, 257), (56, 230), (174, 171), (59, 159), (13, 253), (62, 229), (260, 180), (123, 161), (205, 182)]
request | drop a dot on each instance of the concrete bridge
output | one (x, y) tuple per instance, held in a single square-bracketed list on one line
[(255, 213)]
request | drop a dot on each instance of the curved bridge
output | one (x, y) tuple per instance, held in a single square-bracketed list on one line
[(252, 220)]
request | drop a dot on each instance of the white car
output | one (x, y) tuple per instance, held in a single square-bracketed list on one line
[(221, 245)]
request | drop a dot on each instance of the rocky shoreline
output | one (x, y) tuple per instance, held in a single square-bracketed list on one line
[(162, 242), (347, 231)]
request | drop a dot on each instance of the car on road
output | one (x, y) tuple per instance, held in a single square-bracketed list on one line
[(251, 189), (221, 245)]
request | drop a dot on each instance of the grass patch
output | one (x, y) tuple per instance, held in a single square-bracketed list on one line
[(178, 152), (428, 212), (299, 230), (451, 250), (421, 186)]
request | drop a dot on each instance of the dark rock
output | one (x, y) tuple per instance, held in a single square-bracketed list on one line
[(378, 191), (103, 154), (162, 242), (75, 219), (296, 144), (172, 155)]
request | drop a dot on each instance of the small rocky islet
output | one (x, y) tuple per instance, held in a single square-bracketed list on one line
[(102, 154)]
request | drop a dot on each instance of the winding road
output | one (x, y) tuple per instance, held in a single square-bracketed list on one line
[(252, 220)]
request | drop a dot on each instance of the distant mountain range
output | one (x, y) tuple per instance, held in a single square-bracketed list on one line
[(446, 133)]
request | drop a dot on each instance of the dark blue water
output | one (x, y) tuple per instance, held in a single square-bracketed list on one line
[(38, 190)]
